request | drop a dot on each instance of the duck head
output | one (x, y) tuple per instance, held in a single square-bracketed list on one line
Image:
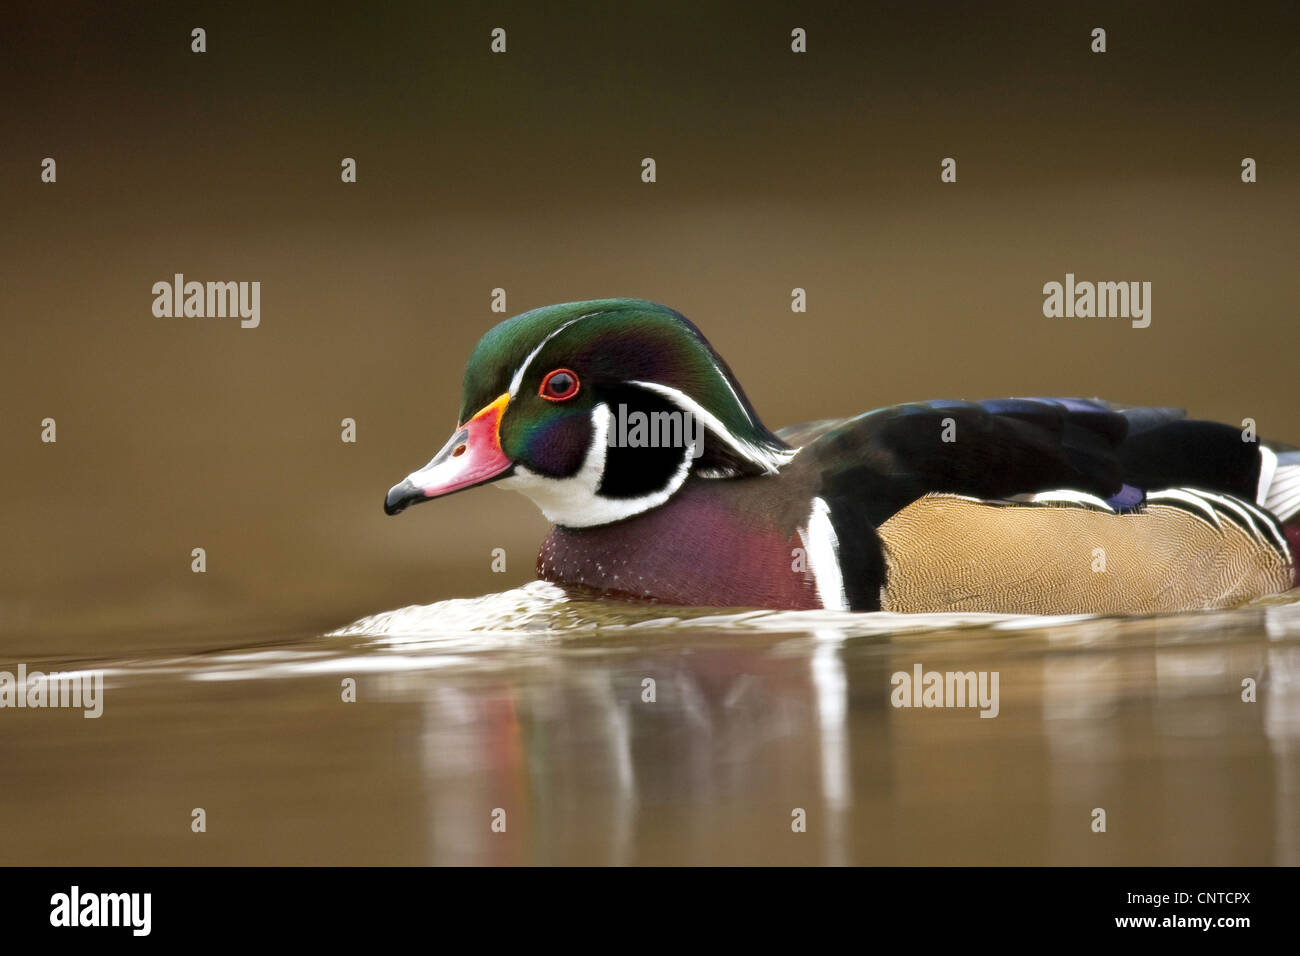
[(597, 411)]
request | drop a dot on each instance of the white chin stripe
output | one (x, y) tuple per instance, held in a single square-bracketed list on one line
[(575, 502)]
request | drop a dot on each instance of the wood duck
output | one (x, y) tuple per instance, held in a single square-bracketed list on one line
[(632, 435)]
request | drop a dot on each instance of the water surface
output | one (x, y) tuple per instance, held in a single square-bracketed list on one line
[(533, 703)]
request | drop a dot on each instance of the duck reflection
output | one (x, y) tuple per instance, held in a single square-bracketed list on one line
[(590, 757), (660, 748)]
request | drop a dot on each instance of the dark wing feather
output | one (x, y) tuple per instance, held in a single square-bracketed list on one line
[(1005, 448), (999, 449)]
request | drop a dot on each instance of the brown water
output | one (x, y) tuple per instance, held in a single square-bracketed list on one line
[(533, 704)]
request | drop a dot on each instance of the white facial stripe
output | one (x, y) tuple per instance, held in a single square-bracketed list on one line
[(739, 404), (769, 460), (575, 502), (824, 558), (518, 377)]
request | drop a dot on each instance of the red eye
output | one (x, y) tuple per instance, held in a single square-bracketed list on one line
[(559, 385)]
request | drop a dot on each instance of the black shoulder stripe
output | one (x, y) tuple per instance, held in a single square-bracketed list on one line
[(1193, 454), (861, 553)]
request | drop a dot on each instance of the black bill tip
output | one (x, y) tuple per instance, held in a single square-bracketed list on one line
[(401, 496)]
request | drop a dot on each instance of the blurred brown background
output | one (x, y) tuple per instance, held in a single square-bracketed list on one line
[(522, 171)]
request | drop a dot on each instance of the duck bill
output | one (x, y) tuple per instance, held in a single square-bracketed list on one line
[(472, 457)]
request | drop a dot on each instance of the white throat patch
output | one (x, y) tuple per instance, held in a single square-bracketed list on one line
[(575, 501)]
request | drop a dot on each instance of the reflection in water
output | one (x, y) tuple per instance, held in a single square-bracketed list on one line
[(1280, 698), (540, 707), (830, 685)]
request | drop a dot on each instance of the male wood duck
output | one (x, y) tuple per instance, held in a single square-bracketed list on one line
[(634, 438)]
